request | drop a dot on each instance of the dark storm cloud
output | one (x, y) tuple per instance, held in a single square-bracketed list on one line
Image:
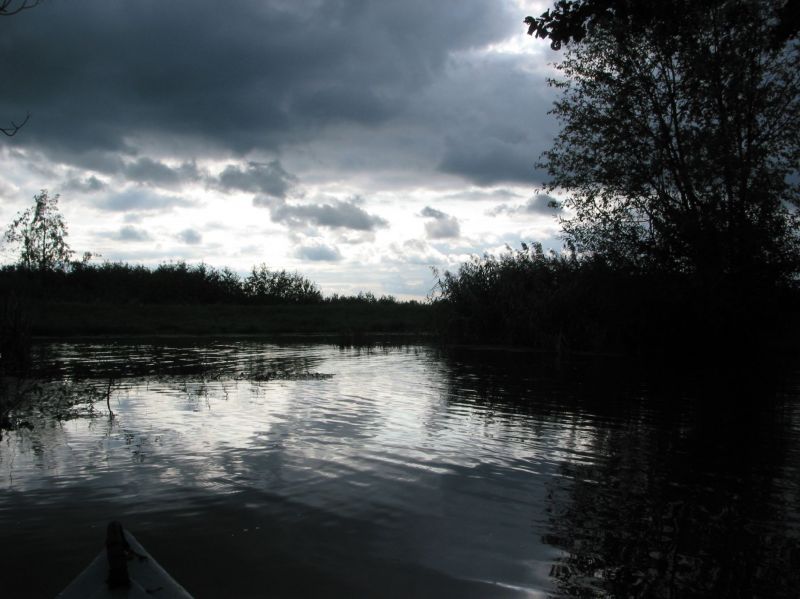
[(94, 159), (538, 204), (332, 214), (318, 253), (542, 204), (490, 161), (140, 200), (491, 110), (257, 177), (443, 226), (250, 75), (147, 170), (142, 170)]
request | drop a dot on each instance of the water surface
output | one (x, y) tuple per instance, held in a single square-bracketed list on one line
[(256, 469)]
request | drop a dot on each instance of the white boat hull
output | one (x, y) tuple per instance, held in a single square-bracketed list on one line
[(148, 579)]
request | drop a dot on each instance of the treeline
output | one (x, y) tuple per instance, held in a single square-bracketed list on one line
[(679, 184), (169, 283), (567, 302)]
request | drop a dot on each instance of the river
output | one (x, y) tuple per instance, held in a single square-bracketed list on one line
[(263, 469)]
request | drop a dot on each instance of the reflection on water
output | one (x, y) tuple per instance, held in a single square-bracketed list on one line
[(252, 469)]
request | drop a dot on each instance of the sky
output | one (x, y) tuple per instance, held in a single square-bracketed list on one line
[(357, 142)]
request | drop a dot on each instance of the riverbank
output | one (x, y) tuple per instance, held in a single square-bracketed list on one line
[(74, 319)]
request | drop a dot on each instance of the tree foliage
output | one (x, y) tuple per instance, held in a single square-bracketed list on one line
[(572, 20), (680, 139), (41, 234), (176, 283), (280, 287), (545, 300)]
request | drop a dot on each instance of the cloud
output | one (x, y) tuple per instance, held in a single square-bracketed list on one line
[(84, 184), (351, 237), (190, 237), (277, 72), (130, 233), (138, 199), (332, 214), (490, 161), (443, 226), (539, 204), (301, 106), (415, 251), (318, 253), (99, 160), (147, 170), (442, 229), (403, 95), (490, 110), (257, 177), (478, 195), (7, 189), (433, 213)]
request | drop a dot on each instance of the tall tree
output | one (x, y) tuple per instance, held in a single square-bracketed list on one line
[(680, 138), (41, 234)]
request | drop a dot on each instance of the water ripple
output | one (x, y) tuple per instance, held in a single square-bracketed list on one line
[(453, 470)]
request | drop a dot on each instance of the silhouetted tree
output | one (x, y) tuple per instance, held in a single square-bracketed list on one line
[(272, 286), (680, 138), (571, 20), (41, 233)]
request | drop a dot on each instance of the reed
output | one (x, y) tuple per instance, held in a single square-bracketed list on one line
[(569, 303)]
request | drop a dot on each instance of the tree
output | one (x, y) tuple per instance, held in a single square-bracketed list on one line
[(571, 20), (279, 287), (41, 234), (680, 138)]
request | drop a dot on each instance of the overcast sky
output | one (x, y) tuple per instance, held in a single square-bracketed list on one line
[(359, 142)]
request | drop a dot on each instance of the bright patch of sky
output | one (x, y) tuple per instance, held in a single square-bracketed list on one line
[(360, 144)]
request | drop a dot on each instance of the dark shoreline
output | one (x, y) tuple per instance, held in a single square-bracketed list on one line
[(104, 320)]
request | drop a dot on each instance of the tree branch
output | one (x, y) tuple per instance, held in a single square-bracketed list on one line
[(14, 128), (7, 7)]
